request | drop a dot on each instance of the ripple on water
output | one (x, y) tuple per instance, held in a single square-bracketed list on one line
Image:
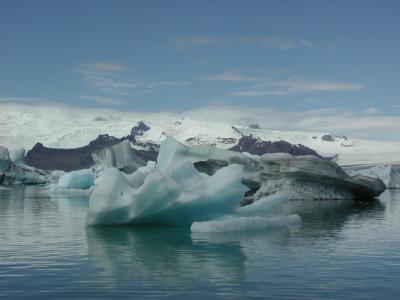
[(342, 250)]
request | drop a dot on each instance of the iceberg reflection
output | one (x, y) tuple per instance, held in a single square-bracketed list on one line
[(167, 255)]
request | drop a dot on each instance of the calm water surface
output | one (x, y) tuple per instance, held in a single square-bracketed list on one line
[(343, 250)]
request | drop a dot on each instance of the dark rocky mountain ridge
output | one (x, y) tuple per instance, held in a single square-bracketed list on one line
[(257, 146), (79, 158)]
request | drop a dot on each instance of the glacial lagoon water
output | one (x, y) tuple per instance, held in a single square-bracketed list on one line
[(342, 250)]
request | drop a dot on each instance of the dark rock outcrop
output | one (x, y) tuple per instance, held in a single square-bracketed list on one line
[(257, 146), (80, 158), (68, 159), (146, 150), (328, 138), (139, 130), (331, 138)]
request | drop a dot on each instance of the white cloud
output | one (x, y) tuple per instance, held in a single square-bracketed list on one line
[(306, 43), (276, 42), (312, 100), (102, 100), (296, 86), (271, 41), (21, 99), (281, 87), (230, 76), (173, 83), (103, 67), (182, 43), (111, 78), (371, 111), (249, 93)]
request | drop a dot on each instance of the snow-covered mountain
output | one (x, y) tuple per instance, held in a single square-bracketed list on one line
[(22, 126)]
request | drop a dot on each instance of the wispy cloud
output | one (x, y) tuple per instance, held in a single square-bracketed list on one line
[(289, 86), (271, 41), (230, 76), (111, 78), (312, 100), (173, 83), (21, 99), (371, 111), (102, 100), (262, 85), (182, 42), (276, 42), (103, 67), (248, 93)]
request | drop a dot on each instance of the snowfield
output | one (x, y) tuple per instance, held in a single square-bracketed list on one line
[(22, 126)]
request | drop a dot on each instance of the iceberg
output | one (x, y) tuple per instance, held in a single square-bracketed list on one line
[(388, 173), (17, 156), (5, 161), (121, 156), (308, 176), (12, 173), (179, 195), (204, 183), (81, 179)]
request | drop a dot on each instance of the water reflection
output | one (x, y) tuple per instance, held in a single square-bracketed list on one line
[(174, 257), (164, 254), (326, 218), (44, 242)]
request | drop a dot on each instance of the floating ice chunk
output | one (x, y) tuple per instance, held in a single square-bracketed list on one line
[(311, 176), (178, 196), (172, 151), (388, 173), (81, 179), (5, 161), (11, 173), (237, 224), (17, 156), (121, 156), (147, 169), (55, 189), (265, 205)]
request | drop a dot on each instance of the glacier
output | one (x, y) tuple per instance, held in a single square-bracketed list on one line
[(13, 171), (204, 183), (25, 125)]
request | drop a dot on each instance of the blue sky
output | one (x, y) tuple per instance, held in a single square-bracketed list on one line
[(180, 55)]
